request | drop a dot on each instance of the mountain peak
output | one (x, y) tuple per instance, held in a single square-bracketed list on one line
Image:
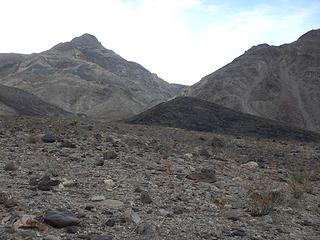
[(86, 40)]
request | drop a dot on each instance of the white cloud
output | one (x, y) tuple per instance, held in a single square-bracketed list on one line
[(155, 33)]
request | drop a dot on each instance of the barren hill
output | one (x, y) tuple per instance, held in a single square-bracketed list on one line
[(196, 114), (276, 82), (81, 76)]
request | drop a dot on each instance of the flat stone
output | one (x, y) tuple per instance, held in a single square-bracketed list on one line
[(250, 165), (61, 218), (204, 175), (111, 204), (98, 198)]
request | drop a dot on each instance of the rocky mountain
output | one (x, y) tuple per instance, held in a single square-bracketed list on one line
[(81, 76), (196, 114), (276, 82), (15, 102)]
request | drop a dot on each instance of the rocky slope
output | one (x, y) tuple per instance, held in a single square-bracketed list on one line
[(280, 83), (196, 114), (81, 179), (14, 102), (82, 76)]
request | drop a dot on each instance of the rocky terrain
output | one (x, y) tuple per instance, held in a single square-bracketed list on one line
[(76, 178), (196, 114), (83, 77), (276, 82)]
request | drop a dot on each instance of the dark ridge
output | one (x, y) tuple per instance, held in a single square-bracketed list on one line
[(199, 115), (27, 104)]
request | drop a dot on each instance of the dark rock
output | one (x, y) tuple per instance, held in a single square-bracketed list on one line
[(49, 137), (3, 197), (46, 183), (99, 162), (110, 154), (71, 229), (111, 222), (232, 215), (146, 229), (179, 210), (67, 144), (10, 166), (61, 218), (10, 202), (205, 175), (145, 198)]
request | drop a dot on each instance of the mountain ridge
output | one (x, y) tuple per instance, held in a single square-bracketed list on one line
[(277, 82)]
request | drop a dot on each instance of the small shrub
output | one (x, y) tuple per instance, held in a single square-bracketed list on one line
[(33, 138), (299, 183), (263, 202), (263, 197)]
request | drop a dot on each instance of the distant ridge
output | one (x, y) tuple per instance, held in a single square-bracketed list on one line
[(196, 114)]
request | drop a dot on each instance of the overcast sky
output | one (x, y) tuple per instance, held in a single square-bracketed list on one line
[(180, 40)]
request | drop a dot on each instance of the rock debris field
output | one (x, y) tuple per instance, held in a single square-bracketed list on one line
[(87, 179)]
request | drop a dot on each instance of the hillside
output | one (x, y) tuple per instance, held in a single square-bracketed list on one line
[(196, 114), (276, 82), (83, 77)]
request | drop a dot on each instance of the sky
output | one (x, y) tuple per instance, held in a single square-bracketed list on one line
[(179, 40)]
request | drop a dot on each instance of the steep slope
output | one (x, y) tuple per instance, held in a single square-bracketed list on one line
[(196, 114), (82, 76), (280, 83), (14, 102)]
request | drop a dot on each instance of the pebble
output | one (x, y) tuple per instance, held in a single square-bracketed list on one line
[(111, 204)]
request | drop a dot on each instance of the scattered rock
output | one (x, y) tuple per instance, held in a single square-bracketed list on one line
[(61, 218), (204, 175), (145, 198)]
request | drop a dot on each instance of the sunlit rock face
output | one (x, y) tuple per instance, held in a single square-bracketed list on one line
[(83, 77)]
